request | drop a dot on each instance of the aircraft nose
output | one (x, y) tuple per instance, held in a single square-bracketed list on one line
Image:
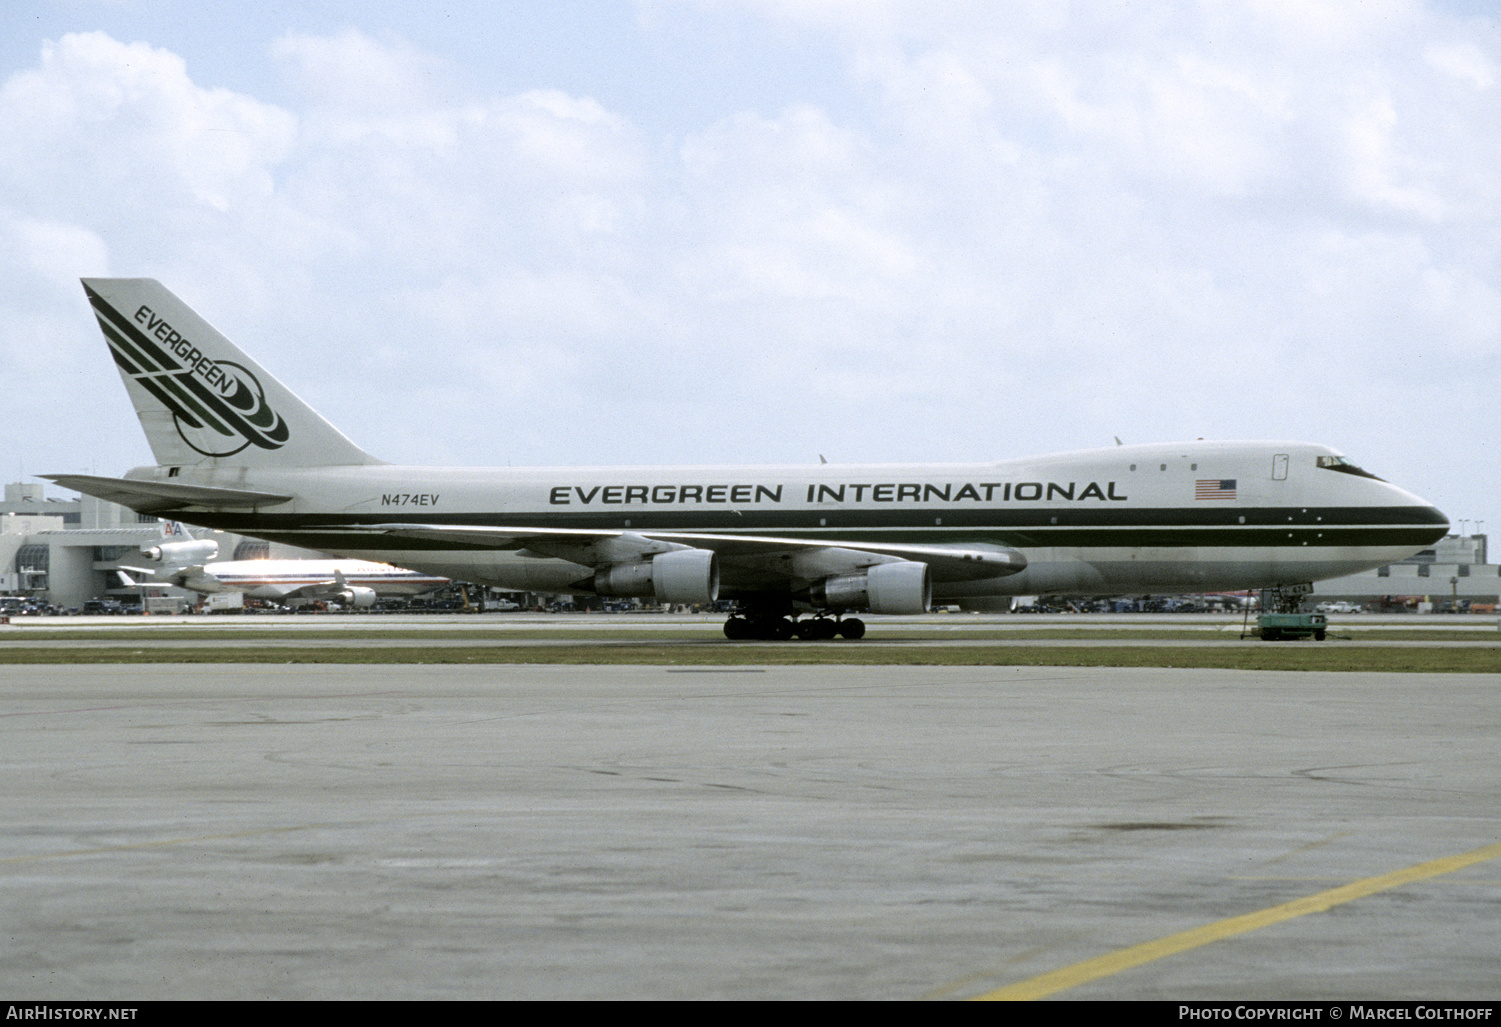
[(1427, 520), (1440, 529)]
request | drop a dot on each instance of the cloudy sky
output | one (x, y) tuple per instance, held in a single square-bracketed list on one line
[(747, 231)]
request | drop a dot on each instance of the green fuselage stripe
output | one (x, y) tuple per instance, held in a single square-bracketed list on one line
[(1175, 528)]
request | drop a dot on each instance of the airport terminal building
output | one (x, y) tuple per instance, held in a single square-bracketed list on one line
[(1452, 575), (68, 552)]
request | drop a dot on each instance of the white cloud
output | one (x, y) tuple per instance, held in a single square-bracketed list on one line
[(361, 76), (1025, 226), (118, 121), (50, 251), (1463, 61)]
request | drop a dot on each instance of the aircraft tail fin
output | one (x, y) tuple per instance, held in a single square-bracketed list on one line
[(201, 400)]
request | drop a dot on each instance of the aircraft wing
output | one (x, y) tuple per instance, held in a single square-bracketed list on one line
[(197, 579), (269, 590), (800, 558), (329, 589), (337, 590), (155, 496)]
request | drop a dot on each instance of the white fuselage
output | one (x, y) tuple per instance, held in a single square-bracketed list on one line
[(1201, 516), (273, 579)]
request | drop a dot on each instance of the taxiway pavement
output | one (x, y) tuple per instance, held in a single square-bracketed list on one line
[(395, 832)]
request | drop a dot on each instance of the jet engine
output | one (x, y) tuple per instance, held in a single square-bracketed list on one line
[(681, 576), (182, 554), (902, 587), (357, 597)]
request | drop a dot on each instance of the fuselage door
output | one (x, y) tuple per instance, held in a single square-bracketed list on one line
[(1279, 467)]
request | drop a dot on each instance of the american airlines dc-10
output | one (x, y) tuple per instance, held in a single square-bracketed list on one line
[(185, 562), (236, 450)]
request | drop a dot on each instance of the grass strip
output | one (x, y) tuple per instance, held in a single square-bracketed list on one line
[(1286, 656), (353, 636)]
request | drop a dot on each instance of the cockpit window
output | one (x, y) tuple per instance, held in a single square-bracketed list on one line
[(1339, 463)]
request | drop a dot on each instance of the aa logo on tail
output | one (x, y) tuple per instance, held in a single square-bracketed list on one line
[(218, 406)]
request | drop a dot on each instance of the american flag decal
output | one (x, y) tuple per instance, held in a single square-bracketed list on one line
[(1214, 488)]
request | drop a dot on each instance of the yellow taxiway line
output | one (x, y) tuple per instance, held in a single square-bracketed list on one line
[(1124, 959)]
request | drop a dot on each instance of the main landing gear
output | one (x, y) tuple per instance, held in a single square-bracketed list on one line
[(778, 629)]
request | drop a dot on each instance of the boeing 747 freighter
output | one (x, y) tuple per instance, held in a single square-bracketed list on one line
[(798, 548)]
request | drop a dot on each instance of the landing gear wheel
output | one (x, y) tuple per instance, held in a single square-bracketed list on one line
[(819, 629), (852, 628), (762, 628)]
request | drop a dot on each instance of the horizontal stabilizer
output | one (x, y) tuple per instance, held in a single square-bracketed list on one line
[(157, 496)]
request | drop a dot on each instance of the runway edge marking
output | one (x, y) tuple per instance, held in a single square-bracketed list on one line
[(1137, 955)]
